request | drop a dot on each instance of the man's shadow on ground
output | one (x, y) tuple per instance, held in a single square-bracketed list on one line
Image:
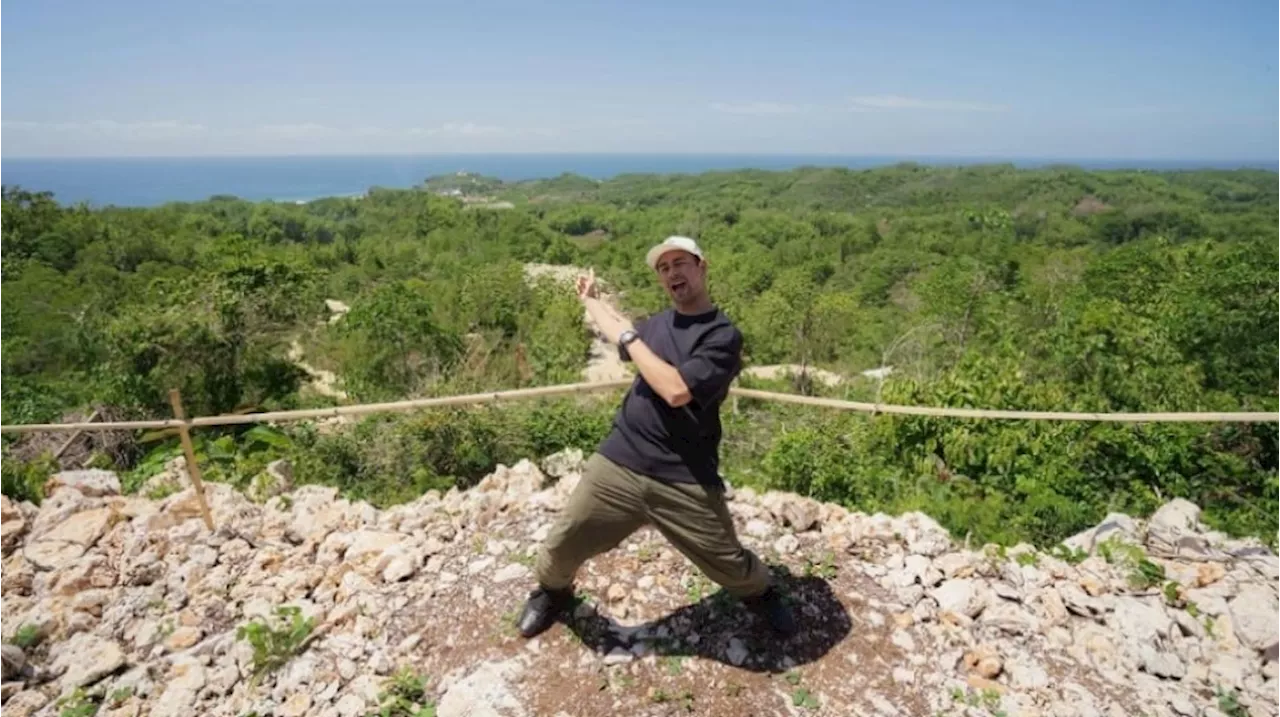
[(719, 627)]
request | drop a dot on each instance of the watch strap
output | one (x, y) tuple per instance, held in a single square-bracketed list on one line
[(627, 337)]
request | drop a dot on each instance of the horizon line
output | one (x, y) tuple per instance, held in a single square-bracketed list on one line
[(899, 158)]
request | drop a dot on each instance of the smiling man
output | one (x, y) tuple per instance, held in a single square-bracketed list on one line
[(659, 464)]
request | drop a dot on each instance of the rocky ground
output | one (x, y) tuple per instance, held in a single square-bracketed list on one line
[(306, 604)]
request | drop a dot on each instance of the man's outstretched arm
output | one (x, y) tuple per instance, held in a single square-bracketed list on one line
[(662, 377), (704, 375)]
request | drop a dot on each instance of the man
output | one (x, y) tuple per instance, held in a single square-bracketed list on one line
[(659, 464)]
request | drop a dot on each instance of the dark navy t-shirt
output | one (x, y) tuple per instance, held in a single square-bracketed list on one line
[(681, 444)]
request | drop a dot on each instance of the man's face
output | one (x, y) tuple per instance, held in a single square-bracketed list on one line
[(682, 275)]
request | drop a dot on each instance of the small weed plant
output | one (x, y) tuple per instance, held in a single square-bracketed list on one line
[(276, 642)]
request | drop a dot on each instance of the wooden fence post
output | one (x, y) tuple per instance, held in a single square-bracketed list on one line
[(63, 448), (193, 468)]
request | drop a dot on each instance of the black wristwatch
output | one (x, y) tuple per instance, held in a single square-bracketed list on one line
[(627, 337)]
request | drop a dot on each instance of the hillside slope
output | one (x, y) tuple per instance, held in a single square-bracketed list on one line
[(132, 603)]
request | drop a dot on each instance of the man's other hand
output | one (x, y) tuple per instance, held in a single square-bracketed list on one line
[(611, 323), (587, 287)]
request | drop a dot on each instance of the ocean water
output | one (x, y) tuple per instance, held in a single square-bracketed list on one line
[(153, 181)]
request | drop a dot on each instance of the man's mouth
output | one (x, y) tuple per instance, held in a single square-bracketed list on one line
[(677, 285)]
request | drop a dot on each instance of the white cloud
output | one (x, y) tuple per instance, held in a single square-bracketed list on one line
[(897, 102), (470, 129), (301, 130), (863, 103), (150, 130), (465, 129), (758, 109), (146, 129), (475, 129)]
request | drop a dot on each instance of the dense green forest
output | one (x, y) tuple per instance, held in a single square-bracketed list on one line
[(983, 286)]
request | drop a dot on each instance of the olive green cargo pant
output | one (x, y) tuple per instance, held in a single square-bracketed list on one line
[(612, 502)]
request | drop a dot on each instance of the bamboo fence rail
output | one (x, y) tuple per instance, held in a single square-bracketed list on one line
[(184, 424), (579, 388)]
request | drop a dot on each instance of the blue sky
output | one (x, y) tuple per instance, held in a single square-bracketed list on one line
[(1074, 80)]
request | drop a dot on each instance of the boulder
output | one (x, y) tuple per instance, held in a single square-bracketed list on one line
[(923, 535), (485, 692), (93, 483), (1176, 515), (983, 661), (1075, 600), (84, 659), (350, 706), (13, 661), (179, 697), (1141, 623), (1010, 618), (1050, 607), (17, 575), (83, 529), (25, 703), (56, 510), (797, 512), (316, 512), (955, 565), (1175, 530), (86, 573), (401, 566), (1026, 674), (1254, 615), (370, 545), (1162, 664), (183, 637), (12, 525), (914, 569), (565, 462), (506, 486), (962, 596), (296, 706), (1116, 526), (758, 528), (52, 554)]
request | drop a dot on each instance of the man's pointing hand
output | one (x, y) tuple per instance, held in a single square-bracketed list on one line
[(611, 323)]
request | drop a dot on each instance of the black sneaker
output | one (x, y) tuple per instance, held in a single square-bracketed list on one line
[(541, 610), (770, 607)]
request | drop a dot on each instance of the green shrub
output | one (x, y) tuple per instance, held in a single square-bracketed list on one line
[(275, 642), (1012, 481), (24, 481), (552, 426), (395, 458), (28, 636), (984, 286)]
